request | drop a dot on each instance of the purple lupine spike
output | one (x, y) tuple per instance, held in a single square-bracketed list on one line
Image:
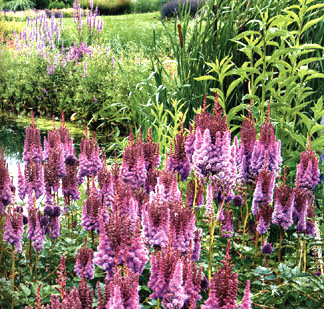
[(266, 147), (84, 266), (178, 158), (5, 184), (246, 300), (284, 198), (14, 228), (227, 228), (223, 291), (175, 295), (32, 145), (307, 170), (38, 235)]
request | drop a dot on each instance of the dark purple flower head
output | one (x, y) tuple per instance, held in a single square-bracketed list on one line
[(57, 211), (49, 211), (307, 170), (237, 201), (44, 221), (267, 249)]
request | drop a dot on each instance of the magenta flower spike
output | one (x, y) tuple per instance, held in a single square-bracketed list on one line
[(14, 228), (227, 227), (302, 201), (84, 266), (34, 179), (246, 301), (32, 146), (21, 184), (6, 186), (266, 147), (307, 170), (70, 188), (38, 235), (284, 198), (178, 158)]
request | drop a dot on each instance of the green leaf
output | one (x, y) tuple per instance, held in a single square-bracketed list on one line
[(25, 290), (233, 85), (311, 23), (205, 77)]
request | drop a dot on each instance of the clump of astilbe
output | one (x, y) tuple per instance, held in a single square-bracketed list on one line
[(213, 156), (190, 194), (262, 198), (178, 160), (84, 266), (284, 198), (5, 184), (223, 286), (248, 138), (121, 291), (106, 183), (33, 151), (34, 229), (33, 180), (14, 227), (151, 152), (308, 173), (301, 205), (246, 300), (266, 150), (70, 187), (119, 241), (89, 159), (134, 168), (166, 279), (91, 210)]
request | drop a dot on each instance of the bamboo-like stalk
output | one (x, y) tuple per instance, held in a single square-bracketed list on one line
[(256, 243), (12, 274), (246, 215)]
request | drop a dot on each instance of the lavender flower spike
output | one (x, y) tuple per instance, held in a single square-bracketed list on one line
[(14, 228)]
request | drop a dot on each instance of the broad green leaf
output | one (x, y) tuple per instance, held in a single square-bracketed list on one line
[(205, 77), (311, 23)]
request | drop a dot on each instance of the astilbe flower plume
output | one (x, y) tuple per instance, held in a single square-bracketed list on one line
[(308, 173), (178, 160), (246, 301), (89, 159), (84, 266), (224, 286), (302, 199), (106, 183), (284, 198), (227, 227), (248, 138), (32, 146), (14, 227), (34, 179), (5, 184), (91, 210), (213, 155), (70, 187), (119, 241), (266, 150)]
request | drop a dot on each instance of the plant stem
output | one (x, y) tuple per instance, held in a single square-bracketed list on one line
[(298, 248), (1, 238), (304, 251), (211, 243), (36, 261), (246, 215), (256, 242), (30, 259), (13, 274), (195, 194), (280, 241), (158, 303)]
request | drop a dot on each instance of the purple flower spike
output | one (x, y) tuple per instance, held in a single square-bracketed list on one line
[(38, 236), (284, 198), (70, 187), (5, 184), (302, 201), (84, 266), (227, 228), (21, 184), (191, 194), (178, 158), (307, 170), (246, 301), (14, 228)]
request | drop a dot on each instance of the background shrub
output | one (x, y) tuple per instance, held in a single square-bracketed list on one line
[(171, 8), (56, 5), (144, 6), (111, 7)]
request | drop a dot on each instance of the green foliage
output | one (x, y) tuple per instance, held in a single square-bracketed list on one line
[(111, 7), (144, 6), (18, 5), (56, 5)]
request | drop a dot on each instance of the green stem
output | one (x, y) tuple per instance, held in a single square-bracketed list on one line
[(36, 261), (13, 275), (304, 252), (211, 244), (195, 194), (298, 248), (158, 303), (280, 241), (1, 238), (246, 216), (30, 259), (256, 243)]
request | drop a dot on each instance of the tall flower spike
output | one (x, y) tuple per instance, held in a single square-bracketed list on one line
[(14, 228), (5, 184), (246, 301), (84, 266), (307, 170), (191, 194), (38, 236), (21, 184), (284, 198), (32, 146)]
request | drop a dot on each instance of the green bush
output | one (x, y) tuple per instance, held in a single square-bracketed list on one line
[(144, 6), (110, 7), (56, 5)]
